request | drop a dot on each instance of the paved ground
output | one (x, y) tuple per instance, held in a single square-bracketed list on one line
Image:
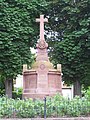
[(79, 118)]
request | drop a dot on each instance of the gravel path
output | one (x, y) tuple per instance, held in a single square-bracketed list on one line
[(76, 118)]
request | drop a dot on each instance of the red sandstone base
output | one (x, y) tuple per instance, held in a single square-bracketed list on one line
[(37, 96), (41, 83)]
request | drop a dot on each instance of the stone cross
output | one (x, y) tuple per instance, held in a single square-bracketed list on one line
[(41, 20)]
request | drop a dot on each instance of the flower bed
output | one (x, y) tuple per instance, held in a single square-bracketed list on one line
[(56, 106)]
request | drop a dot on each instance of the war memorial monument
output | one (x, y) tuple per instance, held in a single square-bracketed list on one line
[(42, 79)]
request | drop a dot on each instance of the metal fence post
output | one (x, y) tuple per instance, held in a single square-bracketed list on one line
[(45, 107)]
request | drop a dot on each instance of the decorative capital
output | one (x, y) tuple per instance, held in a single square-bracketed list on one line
[(42, 45), (24, 67)]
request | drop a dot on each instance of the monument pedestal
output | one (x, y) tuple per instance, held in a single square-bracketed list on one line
[(41, 83), (42, 80)]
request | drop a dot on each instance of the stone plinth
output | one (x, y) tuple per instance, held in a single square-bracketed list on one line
[(41, 83), (42, 80)]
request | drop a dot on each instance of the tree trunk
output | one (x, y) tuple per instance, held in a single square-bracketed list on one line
[(77, 88), (8, 87)]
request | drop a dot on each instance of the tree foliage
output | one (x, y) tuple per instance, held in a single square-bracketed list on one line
[(18, 32), (70, 44)]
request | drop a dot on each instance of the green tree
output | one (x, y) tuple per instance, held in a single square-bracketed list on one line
[(2, 85), (18, 32), (70, 41)]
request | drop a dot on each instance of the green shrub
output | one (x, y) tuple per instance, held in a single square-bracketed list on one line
[(56, 106), (2, 92), (87, 94), (17, 93)]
